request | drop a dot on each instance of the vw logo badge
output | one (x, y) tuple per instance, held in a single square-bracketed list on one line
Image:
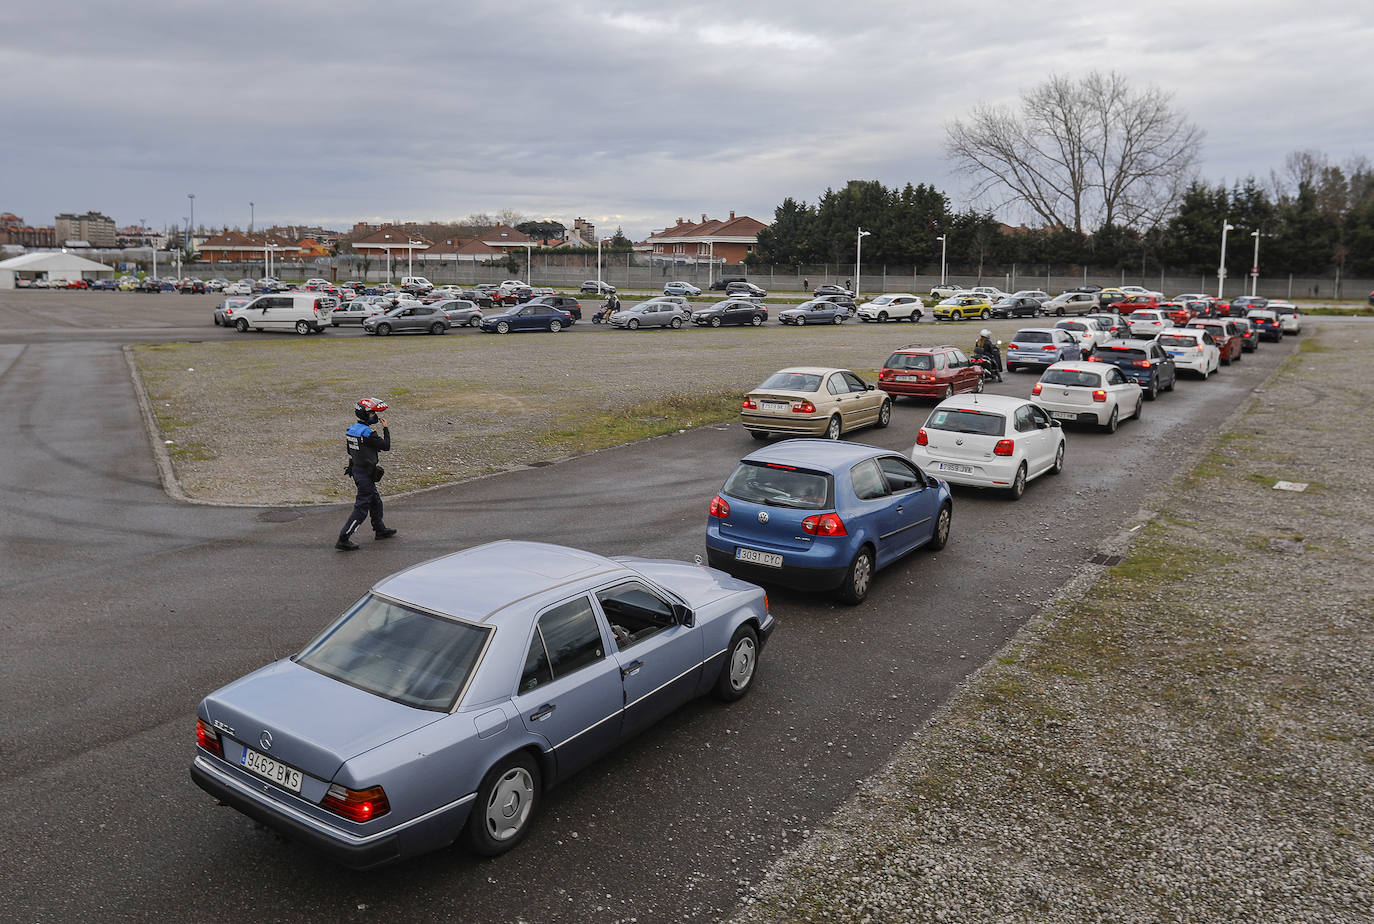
[(958, 442), (265, 740), (763, 516)]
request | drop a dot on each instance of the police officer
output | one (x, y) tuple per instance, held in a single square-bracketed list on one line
[(364, 442)]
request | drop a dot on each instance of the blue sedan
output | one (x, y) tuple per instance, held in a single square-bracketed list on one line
[(823, 515), (529, 316), (447, 700)]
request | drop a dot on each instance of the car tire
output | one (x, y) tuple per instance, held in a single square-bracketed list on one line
[(1205, 373), (978, 388), (715, 322), (241, 326), (757, 320), (555, 326), (507, 801), (1112, 421), (675, 323), (1035, 312), (1059, 312), (758, 435), (384, 330), (837, 319), (885, 413), (1139, 406), (1153, 392), (632, 324), (503, 327), (834, 429), (1058, 465), (947, 393), (985, 315), (858, 579), (1172, 382), (882, 316), (939, 537), (741, 662), (1018, 484)]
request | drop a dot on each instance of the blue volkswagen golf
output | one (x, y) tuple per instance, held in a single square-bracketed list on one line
[(824, 515)]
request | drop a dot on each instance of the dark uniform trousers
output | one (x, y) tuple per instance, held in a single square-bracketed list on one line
[(368, 503)]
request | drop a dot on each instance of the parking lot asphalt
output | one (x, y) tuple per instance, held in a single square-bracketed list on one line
[(121, 608)]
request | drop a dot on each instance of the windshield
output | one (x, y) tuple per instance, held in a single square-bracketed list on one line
[(910, 361), (1178, 340), (1071, 377), (1123, 353), (777, 486), (792, 381), (883, 300), (965, 421), (398, 652), (1072, 325), (1033, 336)]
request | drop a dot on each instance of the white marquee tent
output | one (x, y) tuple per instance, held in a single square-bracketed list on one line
[(52, 265)]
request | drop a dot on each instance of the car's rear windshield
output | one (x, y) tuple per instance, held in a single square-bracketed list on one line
[(1177, 340), (398, 652), (780, 486), (792, 381), (1285, 309), (1148, 314), (1033, 336), (1121, 353), (910, 361), (1070, 377), (967, 421), (1072, 325)]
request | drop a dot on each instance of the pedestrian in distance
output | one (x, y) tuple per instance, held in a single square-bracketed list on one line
[(806, 283), (364, 442)]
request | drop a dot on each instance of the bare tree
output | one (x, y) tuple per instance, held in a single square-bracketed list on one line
[(1080, 154)]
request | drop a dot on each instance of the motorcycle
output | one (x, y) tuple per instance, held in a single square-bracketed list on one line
[(990, 364)]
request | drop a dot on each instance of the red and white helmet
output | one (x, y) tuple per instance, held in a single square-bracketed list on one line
[(367, 409)]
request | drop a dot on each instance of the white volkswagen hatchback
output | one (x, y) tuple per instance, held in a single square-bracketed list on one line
[(990, 441), (1193, 350), (1091, 393)]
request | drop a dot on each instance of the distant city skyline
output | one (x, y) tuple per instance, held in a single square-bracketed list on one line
[(625, 115)]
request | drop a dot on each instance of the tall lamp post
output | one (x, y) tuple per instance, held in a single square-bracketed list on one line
[(250, 217), (190, 225), (529, 266), (599, 242), (858, 261), (410, 256), (1221, 268), (710, 263), (943, 245), (1254, 266)]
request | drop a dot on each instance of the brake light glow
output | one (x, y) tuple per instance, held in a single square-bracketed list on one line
[(208, 738), (1004, 448), (805, 407), (719, 508), (1142, 363), (1095, 359), (748, 405), (922, 438), (356, 805), (824, 524), (1049, 348), (1012, 346), (1035, 389), (790, 468), (1099, 395)]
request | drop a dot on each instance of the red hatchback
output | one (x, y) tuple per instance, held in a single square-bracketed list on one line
[(1227, 335), (929, 372)]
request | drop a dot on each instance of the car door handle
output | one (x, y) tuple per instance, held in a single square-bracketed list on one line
[(631, 669), (543, 712)]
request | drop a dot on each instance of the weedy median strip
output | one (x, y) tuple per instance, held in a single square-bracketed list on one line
[(1190, 740)]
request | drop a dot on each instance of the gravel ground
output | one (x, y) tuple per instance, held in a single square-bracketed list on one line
[(1185, 736), (261, 421)]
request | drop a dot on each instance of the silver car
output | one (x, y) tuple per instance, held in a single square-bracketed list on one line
[(653, 313), (224, 311), (445, 702), (408, 317), (460, 312)]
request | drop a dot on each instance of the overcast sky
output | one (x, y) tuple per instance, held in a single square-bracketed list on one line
[(628, 114)]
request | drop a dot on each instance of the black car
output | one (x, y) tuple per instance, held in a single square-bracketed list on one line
[(720, 284), (845, 300), (149, 284), (562, 302), (746, 290), (192, 287), (829, 289), (1016, 307), (731, 311), (1270, 329), (1144, 362)]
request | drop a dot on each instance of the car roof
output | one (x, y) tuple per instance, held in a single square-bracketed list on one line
[(816, 453), (1074, 365), (923, 348), (1043, 330), (1134, 343), (477, 583), (983, 402), (813, 370), (1194, 332)]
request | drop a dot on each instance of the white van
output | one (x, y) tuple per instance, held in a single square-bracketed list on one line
[(303, 312), (416, 285)]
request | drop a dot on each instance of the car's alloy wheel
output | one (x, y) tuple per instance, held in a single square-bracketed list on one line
[(436, 328), (882, 316), (384, 329), (1112, 421), (715, 322), (757, 320), (502, 327), (947, 393), (1058, 460), (302, 328), (1018, 484), (885, 413), (741, 660), (633, 324), (985, 314), (832, 429), (801, 321), (858, 578), (506, 803), (675, 323), (555, 327), (241, 326), (940, 537), (837, 319)]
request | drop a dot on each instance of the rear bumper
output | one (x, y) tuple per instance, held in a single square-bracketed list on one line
[(794, 576), (915, 389), (811, 426)]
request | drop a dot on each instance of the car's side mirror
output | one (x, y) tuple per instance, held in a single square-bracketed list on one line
[(684, 615), (1055, 423), (868, 387)]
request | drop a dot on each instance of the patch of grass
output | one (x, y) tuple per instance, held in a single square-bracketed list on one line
[(637, 421), (1365, 311), (1311, 346), (1265, 480), (1217, 462), (190, 452)]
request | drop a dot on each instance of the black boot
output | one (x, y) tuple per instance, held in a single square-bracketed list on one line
[(385, 532), (346, 545)]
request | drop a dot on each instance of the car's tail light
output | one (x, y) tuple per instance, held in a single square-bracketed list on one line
[(922, 437), (805, 407), (885, 374), (1198, 348), (1099, 395), (1004, 448), (1095, 359), (1049, 348), (1141, 363), (356, 805), (748, 405), (824, 524), (719, 508), (1035, 389), (208, 738)]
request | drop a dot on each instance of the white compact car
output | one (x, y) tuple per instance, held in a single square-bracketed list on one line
[(1091, 393), (1193, 350), (990, 441), (895, 308), (1146, 322), (1089, 332), (1289, 318)]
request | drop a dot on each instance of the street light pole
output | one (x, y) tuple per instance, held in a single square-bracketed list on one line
[(710, 263), (191, 223), (599, 242), (943, 245), (1221, 268), (251, 216), (529, 266), (410, 256), (1254, 267), (858, 261)]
